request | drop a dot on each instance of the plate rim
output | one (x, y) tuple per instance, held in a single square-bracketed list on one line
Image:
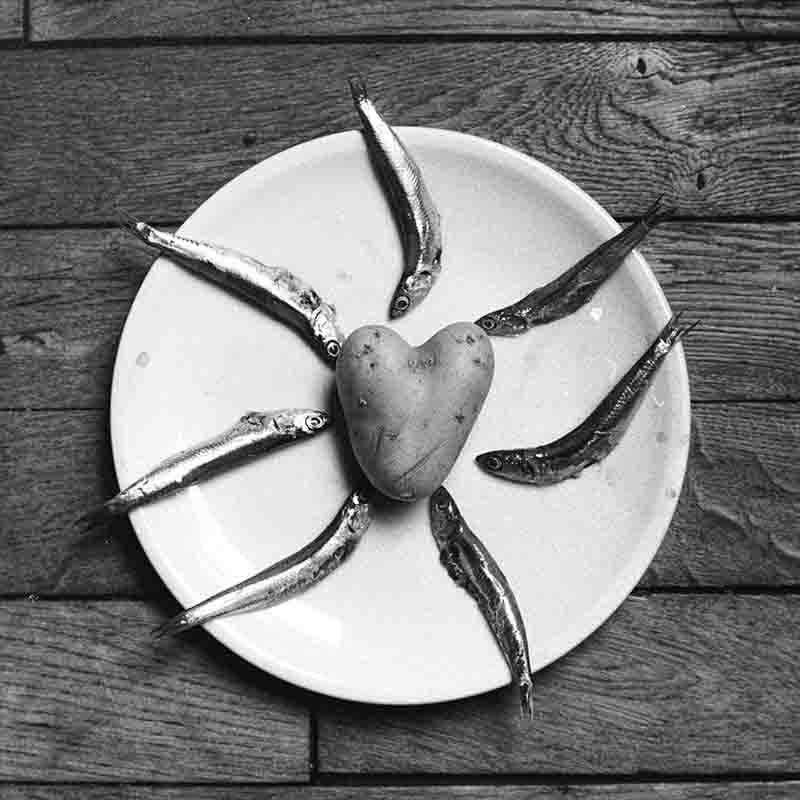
[(606, 604)]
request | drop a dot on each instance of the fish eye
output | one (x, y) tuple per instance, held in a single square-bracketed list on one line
[(315, 422), (488, 323), (402, 303), (333, 349), (494, 463)]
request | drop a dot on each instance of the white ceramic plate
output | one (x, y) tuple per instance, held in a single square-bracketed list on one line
[(390, 626)]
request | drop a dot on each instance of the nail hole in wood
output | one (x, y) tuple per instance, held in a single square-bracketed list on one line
[(701, 181), (641, 67)]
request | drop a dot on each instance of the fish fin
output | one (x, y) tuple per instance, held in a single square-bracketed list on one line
[(358, 88), (180, 622), (448, 558), (96, 516)]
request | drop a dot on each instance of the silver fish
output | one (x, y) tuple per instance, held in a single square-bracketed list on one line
[(254, 433), (597, 435), (472, 567), (575, 287), (289, 576), (414, 209), (274, 289)]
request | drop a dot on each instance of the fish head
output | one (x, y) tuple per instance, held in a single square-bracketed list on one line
[(310, 421), (445, 516), (496, 462), (359, 512), (255, 421), (413, 289), (502, 323), (299, 421), (326, 331)]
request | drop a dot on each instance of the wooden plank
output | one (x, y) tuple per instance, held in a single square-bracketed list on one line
[(67, 19), (738, 518), (158, 129), (10, 19), (65, 295), (734, 279), (748, 790), (54, 466), (671, 684), (737, 523), (87, 695)]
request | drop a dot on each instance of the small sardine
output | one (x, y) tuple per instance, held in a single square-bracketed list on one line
[(287, 577), (575, 287), (253, 434), (274, 289), (597, 435), (414, 210), (472, 567)]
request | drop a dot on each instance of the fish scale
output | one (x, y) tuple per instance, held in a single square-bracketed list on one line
[(597, 435), (414, 209), (471, 566)]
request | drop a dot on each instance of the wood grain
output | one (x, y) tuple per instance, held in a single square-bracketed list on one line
[(737, 523), (156, 130), (747, 790), (87, 695), (66, 294), (10, 19), (682, 683), (68, 19)]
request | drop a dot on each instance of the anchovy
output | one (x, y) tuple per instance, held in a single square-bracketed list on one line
[(472, 567), (575, 287), (289, 576), (597, 435), (414, 210), (274, 289), (253, 434)]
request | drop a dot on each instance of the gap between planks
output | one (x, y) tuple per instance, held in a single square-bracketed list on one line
[(389, 780), (144, 42), (788, 401), (111, 224), (743, 590)]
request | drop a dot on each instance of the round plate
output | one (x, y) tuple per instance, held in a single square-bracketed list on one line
[(390, 626)]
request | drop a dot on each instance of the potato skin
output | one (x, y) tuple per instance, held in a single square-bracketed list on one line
[(409, 410)]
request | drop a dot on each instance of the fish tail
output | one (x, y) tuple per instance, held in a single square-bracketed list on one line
[(526, 698), (140, 230), (94, 517), (358, 88), (180, 622), (673, 331), (658, 212), (203, 612)]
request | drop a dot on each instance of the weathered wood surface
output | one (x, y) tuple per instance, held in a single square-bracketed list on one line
[(65, 295), (68, 19), (87, 695), (692, 684), (697, 686), (747, 790), (157, 129), (10, 19), (737, 523)]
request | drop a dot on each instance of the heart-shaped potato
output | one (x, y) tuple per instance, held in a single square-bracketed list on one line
[(408, 409)]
